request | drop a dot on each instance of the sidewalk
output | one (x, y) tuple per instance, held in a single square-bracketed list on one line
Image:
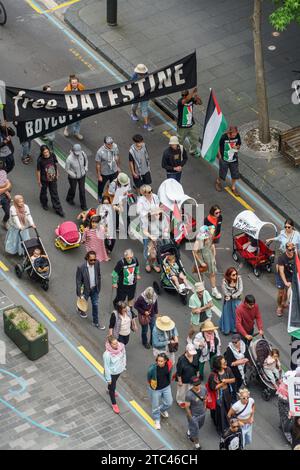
[(60, 400), (159, 32)]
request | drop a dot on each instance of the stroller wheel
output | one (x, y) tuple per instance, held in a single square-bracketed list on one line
[(45, 284), (235, 256), (18, 270), (156, 288), (266, 394), (256, 272)]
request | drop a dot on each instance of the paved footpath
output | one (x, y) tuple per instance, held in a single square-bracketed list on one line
[(60, 400), (159, 32)]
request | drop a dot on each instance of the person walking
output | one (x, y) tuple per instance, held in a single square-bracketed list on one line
[(139, 73), (114, 359), (5, 197), (232, 287), (147, 307), (244, 410), (287, 235), (284, 277), (47, 176), (165, 337), (195, 407), (88, 284), (174, 158), (236, 359), (214, 220), (186, 122), (122, 322), (232, 439), (208, 345), (107, 164), (247, 314), (292, 427), (77, 168), (221, 384), (159, 378), (7, 160), (124, 278), (201, 304), (187, 367), (139, 162), (72, 87), (20, 219), (229, 146), (204, 255), (93, 239)]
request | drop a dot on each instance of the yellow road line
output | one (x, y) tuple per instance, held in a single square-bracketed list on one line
[(239, 199), (167, 134), (42, 307), (34, 7), (142, 412), (62, 5), (90, 358), (3, 267)]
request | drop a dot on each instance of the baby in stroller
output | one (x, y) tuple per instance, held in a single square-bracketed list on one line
[(272, 367), (39, 261), (175, 273)]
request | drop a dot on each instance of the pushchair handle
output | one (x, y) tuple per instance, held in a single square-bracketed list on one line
[(35, 230)]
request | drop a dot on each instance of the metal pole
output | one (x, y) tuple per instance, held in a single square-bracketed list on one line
[(111, 12)]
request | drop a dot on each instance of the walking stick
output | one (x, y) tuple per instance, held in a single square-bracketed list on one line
[(197, 267)]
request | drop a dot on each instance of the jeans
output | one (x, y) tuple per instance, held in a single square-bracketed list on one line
[(26, 147), (145, 250), (176, 176), (145, 329), (144, 108), (72, 190), (165, 397), (74, 128), (94, 295), (247, 434), (5, 203), (112, 388)]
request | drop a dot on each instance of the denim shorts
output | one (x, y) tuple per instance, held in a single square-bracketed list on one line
[(279, 282)]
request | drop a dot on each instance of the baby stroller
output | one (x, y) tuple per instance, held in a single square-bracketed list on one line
[(247, 244), (31, 268), (67, 236), (258, 352), (165, 248)]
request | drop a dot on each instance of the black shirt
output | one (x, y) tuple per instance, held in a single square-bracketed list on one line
[(232, 440), (172, 158), (226, 143), (163, 377), (186, 369), (288, 264), (48, 168), (185, 113)]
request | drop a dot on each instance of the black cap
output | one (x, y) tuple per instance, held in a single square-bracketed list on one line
[(195, 381)]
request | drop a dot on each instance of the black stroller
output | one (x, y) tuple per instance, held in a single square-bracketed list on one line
[(165, 248), (39, 272)]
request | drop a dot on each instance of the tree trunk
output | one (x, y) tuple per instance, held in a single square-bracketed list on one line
[(261, 93)]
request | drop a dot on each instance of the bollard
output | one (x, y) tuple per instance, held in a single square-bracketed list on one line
[(111, 12)]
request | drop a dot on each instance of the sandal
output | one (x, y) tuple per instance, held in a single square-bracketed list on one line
[(218, 186), (234, 191)]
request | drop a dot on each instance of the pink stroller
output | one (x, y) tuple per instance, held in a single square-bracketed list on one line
[(67, 236)]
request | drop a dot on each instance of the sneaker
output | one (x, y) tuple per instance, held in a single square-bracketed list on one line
[(78, 136), (196, 154), (157, 424), (197, 447), (66, 132), (96, 325), (147, 346), (45, 208), (72, 203), (188, 435), (134, 117), (216, 294), (102, 327), (164, 414), (116, 409), (148, 127), (82, 314)]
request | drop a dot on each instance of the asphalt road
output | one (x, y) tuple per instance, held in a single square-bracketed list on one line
[(36, 51)]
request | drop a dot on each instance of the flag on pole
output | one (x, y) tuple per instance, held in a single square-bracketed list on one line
[(294, 310), (214, 126), (179, 228)]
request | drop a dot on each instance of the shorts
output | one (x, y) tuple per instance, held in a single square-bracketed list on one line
[(143, 179), (124, 292), (279, 282), (233, 167)]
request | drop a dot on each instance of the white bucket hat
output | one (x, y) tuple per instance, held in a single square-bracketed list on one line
[(141, 69), (174, 140)]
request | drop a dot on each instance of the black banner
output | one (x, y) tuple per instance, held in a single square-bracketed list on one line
[(37, 113)]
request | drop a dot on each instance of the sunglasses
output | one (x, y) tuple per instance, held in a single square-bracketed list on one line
[(233, 274), (218, 212), (291, 250), (92, 260), (148, 192), (288, 226)]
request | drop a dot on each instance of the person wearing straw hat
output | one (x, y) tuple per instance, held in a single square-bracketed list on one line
[(201, 304), (208, 343), (174, 158), (139, 73), (165, 337)]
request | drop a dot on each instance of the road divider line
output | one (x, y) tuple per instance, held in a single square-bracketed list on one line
[(239, 199), (34, 7), (42, 307), (142, 412), (3, 266), (167, 134), (91, 359), (62, 5)]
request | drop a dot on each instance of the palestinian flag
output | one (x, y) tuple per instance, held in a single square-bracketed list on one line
[(294, 310), (179, 228), (214, 126)]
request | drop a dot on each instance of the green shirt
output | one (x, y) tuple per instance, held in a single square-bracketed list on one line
[(195, 302)]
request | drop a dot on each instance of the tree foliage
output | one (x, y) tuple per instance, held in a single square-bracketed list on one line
[(286, 12)]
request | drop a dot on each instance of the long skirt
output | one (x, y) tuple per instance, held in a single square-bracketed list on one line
[(13, 240), (227, 320)]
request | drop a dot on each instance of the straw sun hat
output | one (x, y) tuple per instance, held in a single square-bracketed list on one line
[(165, 323), (209, 326), (82, 304)]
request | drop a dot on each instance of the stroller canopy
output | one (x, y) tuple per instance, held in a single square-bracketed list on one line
[(68, 231), (170, 191), (249, 223)]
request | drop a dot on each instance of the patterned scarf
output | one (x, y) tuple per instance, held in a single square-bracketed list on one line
[(210, 338)]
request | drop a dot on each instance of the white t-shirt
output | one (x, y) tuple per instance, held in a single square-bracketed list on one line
[(125, 325), (239, 406)]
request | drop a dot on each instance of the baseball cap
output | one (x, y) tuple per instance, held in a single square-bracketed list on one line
[(76, 149), (108, 140), (195, 381)]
